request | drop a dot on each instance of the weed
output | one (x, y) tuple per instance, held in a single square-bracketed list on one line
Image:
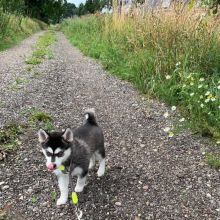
[(42, 50), (9, 136), (39, 119), (33, 60), (29, 68), (213, 160), (34, 199), (53, 196)]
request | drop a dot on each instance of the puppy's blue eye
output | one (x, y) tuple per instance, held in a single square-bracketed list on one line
[(60, 154), (49, 154)]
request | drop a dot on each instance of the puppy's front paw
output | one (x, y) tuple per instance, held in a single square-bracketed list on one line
[(61, 201), (100, 172), (79, 188)]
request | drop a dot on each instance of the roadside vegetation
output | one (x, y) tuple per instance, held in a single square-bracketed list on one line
[(14, 28), (9, 137), (172, 55)]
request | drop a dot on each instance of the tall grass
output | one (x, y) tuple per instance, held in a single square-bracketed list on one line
[(172, 55), (14, 28)]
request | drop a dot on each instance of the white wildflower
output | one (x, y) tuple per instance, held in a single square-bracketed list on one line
[(207, 93), (173, 108), (207, 100), (218, 87), (182, 120), (177, 64), (200, 86), (168, 76), (201, 79), (202, 105), (192, 94)]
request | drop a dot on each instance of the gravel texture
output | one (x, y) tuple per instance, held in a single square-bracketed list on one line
[(149, 176)]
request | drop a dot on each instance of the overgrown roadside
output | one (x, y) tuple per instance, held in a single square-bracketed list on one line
[(149, 175), (171, 55), (14, 28)]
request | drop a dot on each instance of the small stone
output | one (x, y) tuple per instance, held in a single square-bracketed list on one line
[(44, 204), (30, 190), (118, 203), (1, 183), (5, 187), (21, 197), (208, 195), (35, 209), (142, 145), (145, 187)]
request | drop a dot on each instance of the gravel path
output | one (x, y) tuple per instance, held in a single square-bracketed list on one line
[(149, 176)]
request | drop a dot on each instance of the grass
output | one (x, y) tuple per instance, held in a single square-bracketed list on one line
[(9, 136), (53, 196), (213, 160), (34, 199), (173, 56), (170, 55), (39, 119), (41, 49), (15, 28)]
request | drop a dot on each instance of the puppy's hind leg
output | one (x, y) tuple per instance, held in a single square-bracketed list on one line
[(100, 156)]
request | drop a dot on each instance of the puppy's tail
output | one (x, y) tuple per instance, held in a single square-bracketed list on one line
[(90, 116)]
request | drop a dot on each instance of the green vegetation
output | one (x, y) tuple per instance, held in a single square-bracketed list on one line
[(34, 199), (42, 49), (53, 196), (18, 82), (50, 11), (39, 119), (170, 55), (9, 136), (213, 160), (14, 29)]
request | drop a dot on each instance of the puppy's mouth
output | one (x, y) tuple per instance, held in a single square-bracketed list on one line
[(51, 166)]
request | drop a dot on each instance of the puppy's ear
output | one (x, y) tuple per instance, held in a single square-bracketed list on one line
[(42, 136), (68, 135)]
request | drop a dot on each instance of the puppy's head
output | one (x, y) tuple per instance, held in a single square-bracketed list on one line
[(56, 147)]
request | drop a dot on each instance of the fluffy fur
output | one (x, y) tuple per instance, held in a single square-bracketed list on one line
[(77, 150)]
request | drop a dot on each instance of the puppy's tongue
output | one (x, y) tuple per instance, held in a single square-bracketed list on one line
[(50, 166)]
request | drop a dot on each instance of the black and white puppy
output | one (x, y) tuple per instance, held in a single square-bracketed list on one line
[(79, 148)]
